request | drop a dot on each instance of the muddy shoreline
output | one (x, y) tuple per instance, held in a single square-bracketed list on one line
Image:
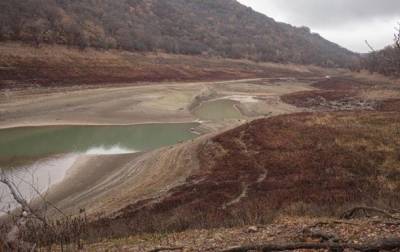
[(62, 124)]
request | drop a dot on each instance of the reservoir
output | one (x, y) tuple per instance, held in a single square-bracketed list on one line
[(19, 146), (39, 157)]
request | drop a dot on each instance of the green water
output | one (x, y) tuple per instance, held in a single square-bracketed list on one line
[(217, 110), (19, 144)]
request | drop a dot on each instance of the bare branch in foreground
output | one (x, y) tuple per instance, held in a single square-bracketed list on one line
[(386, 244), (16, 194), (29, 227), (42, 196)]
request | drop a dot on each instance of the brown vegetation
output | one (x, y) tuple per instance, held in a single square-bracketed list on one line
[(302, 164), (390, 105), (24, 66), (321, 99), (340, 83), (333, 94)]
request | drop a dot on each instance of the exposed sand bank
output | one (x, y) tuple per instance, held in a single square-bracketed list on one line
[(125, 105)]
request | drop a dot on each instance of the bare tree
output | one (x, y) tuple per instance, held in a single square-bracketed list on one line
[(397, 37), (31, 226), (12, 239), (387, 60)]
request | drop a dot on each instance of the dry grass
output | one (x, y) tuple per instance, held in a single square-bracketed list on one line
[(375, 78)]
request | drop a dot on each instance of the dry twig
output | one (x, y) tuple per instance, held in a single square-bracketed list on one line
[(166, 249)]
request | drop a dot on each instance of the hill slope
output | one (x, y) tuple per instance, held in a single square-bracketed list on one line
[(223, 28), (23, 66)]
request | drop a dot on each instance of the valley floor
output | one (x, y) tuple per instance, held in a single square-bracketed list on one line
[(218, 167), (125, 105)]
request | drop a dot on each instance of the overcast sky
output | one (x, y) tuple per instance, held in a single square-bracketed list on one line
[(346, 22)]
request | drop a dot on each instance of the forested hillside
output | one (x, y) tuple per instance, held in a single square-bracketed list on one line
[(219, 28)]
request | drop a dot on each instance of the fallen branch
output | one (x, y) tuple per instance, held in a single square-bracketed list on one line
[(43, 198), (386, 244), (334, 222), (349, 214), (319, 234), (166, 249), (386, 223)]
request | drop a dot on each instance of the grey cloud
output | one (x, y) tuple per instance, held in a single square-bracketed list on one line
[(320, 13), (339, 12), (346, 22)]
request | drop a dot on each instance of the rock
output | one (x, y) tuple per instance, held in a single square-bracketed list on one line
[(218, 237), (252, 229)]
